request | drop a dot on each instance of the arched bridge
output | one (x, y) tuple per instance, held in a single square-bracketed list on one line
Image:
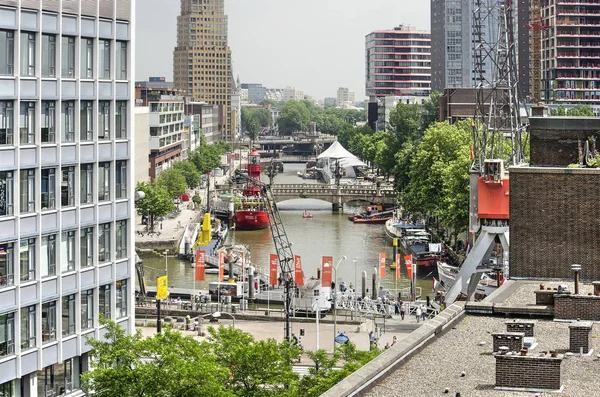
[(337, 195)]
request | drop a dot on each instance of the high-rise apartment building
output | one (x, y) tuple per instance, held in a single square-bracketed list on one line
[(571, 52), (256, 92), (398, 62), (202, 58), (345, 97), (66, 186), (292, 94)]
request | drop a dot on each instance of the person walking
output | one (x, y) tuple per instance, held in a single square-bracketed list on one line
[(418, 313), (396, 308), (402, 310), (423, 312)]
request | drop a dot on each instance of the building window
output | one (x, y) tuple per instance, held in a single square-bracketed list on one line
[(104, 242), (6, 122), (121, 298), (68, 57), (7, 389), (104, 120), (48, 255), (121, 120), (48, 188), (67, 187), (7, 336), (86, 182), (104, 300), (87, 58), (48, 321), (121, 60), (27, 54), (7, 267), (121, 244), (27, 123), (86, 121), (56, 380), (87, 309), (104, 51), (27, 259), (68, 121), (27, 191), (68, 315), (86, 242), (67, 251), (103, 181), (27, 327), (121, 179), (48, 121), (7, 53), (64, 377), (6, 193), (45, 379), (48, 55)]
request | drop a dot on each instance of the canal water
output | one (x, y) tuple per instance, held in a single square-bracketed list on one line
[(326, 234)]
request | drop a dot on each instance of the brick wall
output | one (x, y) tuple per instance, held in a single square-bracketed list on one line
[(545, 298), (572, 307), (580, 336), (512, 340), (529, 372), (553, 222), (525, 327)]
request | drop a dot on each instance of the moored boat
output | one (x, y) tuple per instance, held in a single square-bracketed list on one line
[(250, 213), (372, 220)]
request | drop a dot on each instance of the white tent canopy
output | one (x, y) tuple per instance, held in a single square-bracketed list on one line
[(336, 151), (351, 162)]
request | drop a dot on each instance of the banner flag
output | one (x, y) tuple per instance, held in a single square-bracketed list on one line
[(408, 262), (326, 270), (298, 276), (161, 288), (397, 266), (221, 265), (200, 264), (273, 269)]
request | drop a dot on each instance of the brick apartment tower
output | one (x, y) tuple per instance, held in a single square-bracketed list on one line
[(202, 58)]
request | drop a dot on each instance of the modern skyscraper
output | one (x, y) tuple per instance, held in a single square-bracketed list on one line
[(202, 58), (398, 62), (66, 186)]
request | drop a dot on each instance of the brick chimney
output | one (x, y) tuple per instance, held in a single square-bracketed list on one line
[(580, 337)]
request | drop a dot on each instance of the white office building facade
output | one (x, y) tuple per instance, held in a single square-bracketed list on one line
[(66, 186)]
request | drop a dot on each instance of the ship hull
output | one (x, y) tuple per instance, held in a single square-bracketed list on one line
[(251, 220)]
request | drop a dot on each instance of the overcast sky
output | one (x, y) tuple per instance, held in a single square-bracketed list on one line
[(315, 45)]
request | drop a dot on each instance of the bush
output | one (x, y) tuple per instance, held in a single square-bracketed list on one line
[(197, 200)]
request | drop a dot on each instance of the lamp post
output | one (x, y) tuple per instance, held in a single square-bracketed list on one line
[(335, 300), (355, 260), (158, 322)]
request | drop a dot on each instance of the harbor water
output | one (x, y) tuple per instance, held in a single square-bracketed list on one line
[(326, 234)]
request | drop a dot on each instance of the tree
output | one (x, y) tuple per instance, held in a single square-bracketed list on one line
[(257, 368), (189, 172), (156, 202), (166, 364), (206, 157), (294, 116), (173, 181), (406, 122), (431, 110)]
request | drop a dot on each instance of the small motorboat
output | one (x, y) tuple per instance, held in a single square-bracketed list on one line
[(372, 220), (307, 215)]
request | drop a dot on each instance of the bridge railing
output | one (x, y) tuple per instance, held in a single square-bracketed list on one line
[(291, 189)]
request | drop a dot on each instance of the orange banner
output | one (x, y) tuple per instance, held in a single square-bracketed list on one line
[(273, 269), (221, 265), (397, 266), (381, 265), (326, 270), (408, 262), (200, 264), (298, 276)]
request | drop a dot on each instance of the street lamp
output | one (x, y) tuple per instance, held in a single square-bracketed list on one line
[(158, 323), (355, 260), (335, 300)]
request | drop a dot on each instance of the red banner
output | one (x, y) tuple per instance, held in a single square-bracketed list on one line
[(397, 266), (273, 269), (381, 265), (408, 262), (200, 259), (326, 270), (221, 265), (298, 276)]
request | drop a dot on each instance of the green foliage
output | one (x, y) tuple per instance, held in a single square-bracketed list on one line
[(166, 364), (189, 172), (406, 122), (157, 201), (206, 157), (294, 116), (173, 181), (197, 200), (253, 120), (577, 110), (431, 110)]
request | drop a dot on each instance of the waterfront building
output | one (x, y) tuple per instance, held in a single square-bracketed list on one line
[(142, 147), (345, 97), (166, 141), (202, 58), (204, 120), (66, 187), (256, 92)]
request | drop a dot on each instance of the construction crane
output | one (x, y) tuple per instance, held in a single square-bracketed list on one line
[(283, 247), (537, 27), (496, 120)]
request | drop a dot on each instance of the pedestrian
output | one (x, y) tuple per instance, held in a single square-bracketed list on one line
[(396, 308), (394, 340), (402, 310), (418, 313), (423, 312), (387, 346), (371, 339)]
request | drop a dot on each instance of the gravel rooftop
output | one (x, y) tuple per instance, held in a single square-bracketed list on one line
[(440, 364), (525, 294)]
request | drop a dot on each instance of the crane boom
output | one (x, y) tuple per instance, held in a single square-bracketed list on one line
[(283, 247)]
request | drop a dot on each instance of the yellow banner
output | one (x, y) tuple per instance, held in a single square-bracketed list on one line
[(161, 287)]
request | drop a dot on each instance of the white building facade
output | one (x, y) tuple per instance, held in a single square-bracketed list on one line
[(345, 97), (66, 186)]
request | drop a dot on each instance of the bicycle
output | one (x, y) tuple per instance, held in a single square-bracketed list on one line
[(140, 233)]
